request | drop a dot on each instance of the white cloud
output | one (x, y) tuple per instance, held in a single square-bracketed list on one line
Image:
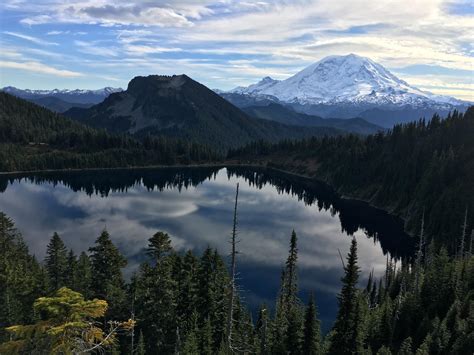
[(142, 49), (30, 38), (275, 38), (54, 33), (178, 13), (40, 68), (93, 49)]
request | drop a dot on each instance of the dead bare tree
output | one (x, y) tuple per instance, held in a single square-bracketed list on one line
[(232, 287), (470, 244), (463, 236), (419, 254)]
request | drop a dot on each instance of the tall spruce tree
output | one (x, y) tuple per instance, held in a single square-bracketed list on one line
[(261, 328), (288, 325), (22, 279), (156, 297), (84, 275), (71, 272), (107, 281), (56, 262), (312, 330), (344, 339), (291, 281)]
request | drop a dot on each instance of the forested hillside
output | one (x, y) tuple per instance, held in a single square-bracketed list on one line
[(179, 302), (34, 138), (283, 114), (421, 168)]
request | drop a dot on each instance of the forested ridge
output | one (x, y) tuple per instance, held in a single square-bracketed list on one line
[(34, 138), (178, 302), (423, 167)]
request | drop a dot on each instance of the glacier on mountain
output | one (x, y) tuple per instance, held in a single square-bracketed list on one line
[(349, 79)]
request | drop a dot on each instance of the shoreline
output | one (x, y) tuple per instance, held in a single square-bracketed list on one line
[(215, 165)]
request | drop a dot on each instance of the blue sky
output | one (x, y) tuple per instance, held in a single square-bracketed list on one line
[(225, 43)]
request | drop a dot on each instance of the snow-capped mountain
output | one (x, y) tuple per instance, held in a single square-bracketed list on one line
[(345, 79), (71, 96), (256, 89), (346, 87)]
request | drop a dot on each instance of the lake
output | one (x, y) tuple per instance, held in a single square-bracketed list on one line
[(195, 206)]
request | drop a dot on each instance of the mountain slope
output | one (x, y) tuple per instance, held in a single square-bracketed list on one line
[(345, 87), (178, 106), (72, 96), (339, 79), (56, 104), (285, 115), (34, 138)]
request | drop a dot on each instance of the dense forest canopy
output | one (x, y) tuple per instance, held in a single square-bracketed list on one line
[(34, 138), (415, 169)]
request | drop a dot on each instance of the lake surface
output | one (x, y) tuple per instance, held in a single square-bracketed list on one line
[(195, 206)]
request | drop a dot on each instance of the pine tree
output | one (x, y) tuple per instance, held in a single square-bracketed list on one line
[(424, 348), (56, 262), (312, 330), (107, 281), (406, 347), (280, 323), (22, 279), (294, 330), (191, 345), (84, 275), (185, 271), (288, 324), (141, 345), (291, 283), (67, 327), (384, 351), (261, 328), (156, 296), (206, 342), (345, 327), (71, 273)]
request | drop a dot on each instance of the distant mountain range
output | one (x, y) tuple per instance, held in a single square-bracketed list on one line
[(285, 115), (346, 87), (62, 100), (180, 107)]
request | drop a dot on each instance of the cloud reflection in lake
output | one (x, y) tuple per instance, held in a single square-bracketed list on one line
[(201, 216)]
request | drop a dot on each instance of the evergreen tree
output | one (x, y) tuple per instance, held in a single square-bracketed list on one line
[(141, 345), (22, 279), (71, 272), (345, 328), (261, 328), (384, 351), (156, 296), (185, 273), (191, 345), (56, 262), (107, 281), (291, 283), (206, 342), (84, 275), (406, 347), (312, 330), (68, 327)]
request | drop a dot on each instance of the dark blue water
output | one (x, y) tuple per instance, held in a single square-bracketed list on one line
[(195, 206)]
